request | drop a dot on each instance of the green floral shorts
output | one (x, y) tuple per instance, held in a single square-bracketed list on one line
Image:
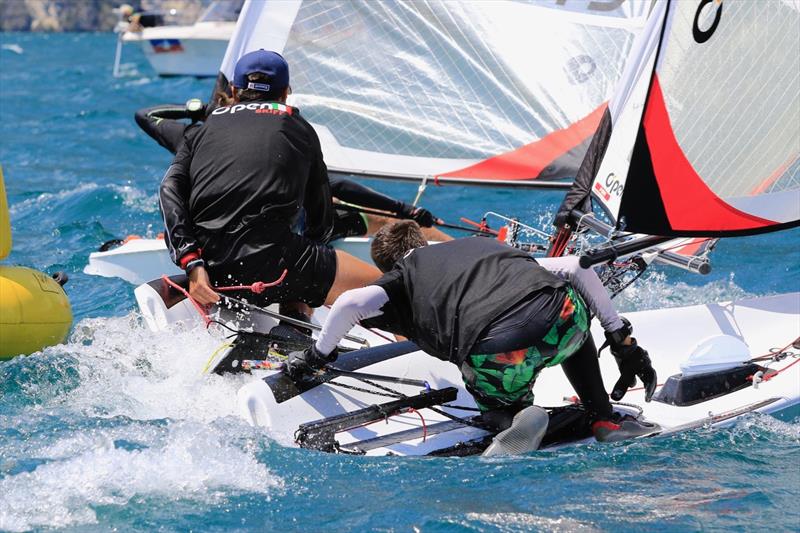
[(505, 379)]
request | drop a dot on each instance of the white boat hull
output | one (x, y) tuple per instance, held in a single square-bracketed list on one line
[(195, 50), (669, 335), (138, 260)]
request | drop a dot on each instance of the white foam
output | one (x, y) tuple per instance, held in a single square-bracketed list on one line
[(656, 291), (155, 427), (47, 198), (131, 197), (184, 460), (523, 522), (127, 370), (17, 49), (136, 198)]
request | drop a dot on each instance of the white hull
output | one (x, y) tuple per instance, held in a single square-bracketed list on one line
[(195, 50), (669, 334), (138, 261)]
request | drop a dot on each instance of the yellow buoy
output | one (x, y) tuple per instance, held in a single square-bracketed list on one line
[(34, 311), (5, 223)]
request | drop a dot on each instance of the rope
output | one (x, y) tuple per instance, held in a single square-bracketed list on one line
[(396, 394), (759, 377), (359, 389), (200, 309), (424, 426), (776, 354), (258, 287)]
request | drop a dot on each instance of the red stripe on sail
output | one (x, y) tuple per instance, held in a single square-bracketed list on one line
[(527, 162), (689, 203), (764, 185), (692, 247)]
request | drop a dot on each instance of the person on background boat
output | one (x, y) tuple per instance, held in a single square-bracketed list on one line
[(496, 313), (164, 124), (234, 191)]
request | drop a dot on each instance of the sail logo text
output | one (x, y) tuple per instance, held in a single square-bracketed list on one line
[(701, 36), (612, 186), (268, 108)]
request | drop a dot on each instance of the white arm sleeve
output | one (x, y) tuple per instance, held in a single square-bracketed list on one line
[(588, 285), (349, 309)]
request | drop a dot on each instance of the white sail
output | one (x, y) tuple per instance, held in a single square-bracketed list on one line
[(481, 90), (704, 134)]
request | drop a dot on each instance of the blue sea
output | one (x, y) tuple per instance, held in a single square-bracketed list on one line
[(117, 430)]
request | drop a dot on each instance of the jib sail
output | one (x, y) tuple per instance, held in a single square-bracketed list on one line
[(703, 134)]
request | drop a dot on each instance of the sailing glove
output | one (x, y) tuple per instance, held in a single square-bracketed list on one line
[(420, 215), (303, 363), (633, 361)]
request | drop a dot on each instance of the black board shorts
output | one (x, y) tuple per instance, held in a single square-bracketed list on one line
[(310, 271)]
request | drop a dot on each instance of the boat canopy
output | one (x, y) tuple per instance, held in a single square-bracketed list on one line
[(477, 91)]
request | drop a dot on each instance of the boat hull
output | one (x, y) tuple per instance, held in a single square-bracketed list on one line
[(670, 335), (139, 260), (195, 50)]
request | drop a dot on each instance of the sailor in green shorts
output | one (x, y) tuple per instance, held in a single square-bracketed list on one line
[(496, 313)]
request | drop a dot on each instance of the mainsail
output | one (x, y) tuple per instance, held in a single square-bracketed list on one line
[(703, 135), (480, 91)]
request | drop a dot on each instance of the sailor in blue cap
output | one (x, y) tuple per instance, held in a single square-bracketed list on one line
[(237, 188)]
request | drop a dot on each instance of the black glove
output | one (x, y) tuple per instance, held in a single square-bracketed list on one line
[(420, 215), (303, 363), (633, 361)]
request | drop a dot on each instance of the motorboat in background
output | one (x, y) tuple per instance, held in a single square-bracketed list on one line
[(179, 49)]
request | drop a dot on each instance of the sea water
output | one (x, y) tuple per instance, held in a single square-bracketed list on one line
[(116, 428)]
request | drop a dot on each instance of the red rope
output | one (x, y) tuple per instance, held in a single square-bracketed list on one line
[(769, 376), (424, 425), (258, 287), (560, 241), (770, 355), (200, 308)]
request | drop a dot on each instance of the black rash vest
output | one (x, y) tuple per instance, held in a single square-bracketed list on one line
[(241, 178), (443, 296), (357, 194), (162, 123)]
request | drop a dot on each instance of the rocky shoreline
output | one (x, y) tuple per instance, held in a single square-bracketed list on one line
[(84, 15)]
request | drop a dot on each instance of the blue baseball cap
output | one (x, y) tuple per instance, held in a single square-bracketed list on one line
[(272, 64)]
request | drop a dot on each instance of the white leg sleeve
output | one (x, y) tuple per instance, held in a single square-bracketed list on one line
[(588, 285), (349, 309)]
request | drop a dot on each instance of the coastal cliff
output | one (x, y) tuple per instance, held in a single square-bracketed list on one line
[(84, 15)]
